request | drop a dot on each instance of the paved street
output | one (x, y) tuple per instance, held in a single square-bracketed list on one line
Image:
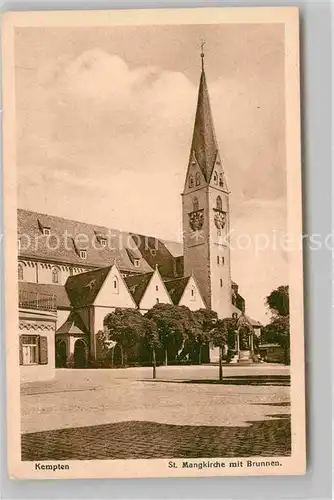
[(139, 417)]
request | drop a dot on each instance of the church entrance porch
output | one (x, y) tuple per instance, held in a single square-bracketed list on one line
[(79, 355), (71, 351), (61, 354)]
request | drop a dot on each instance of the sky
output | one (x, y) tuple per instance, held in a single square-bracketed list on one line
[(104, 127)]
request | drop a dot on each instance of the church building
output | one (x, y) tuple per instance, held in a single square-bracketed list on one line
[(68, 283)]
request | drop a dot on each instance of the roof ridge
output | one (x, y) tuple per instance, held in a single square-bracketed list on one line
[(177, 279)]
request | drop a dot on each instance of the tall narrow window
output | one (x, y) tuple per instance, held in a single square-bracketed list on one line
[(191, 181), (221, 181), (195, 204), (55, 275), (219, 204), (115, 285), (223, 260), (193, 293), (83, 254), (218, 260), (221, 283), (20, 272), (198, 179), (215, 177)]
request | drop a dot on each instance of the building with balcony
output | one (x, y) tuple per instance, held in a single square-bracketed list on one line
[(37, 327)]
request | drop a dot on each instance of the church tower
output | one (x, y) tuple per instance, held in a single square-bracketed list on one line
[(206, 214)]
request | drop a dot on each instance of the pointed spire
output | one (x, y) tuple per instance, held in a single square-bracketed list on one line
[(204, 143), (202, 54)]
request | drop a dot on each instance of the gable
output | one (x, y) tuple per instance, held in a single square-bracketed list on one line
[(155, 292), (218, 179), (73, 325), (191, 296), (195, 178), (114, 292)]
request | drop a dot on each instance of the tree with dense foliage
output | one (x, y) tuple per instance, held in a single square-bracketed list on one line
[(219, 338), (278, 330), (278, 301), (126, 327), (174, 325), (205, 320)]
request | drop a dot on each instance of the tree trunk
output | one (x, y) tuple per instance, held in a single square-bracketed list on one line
[(286, 356), (166, 357), (112, 357), (122, 355), (200, 354), (154, 363), (220, 363)]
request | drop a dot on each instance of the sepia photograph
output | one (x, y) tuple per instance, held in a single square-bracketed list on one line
[(154, 293)]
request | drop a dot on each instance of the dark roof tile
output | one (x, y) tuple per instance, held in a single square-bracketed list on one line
[(73, 325), (83, 288), (176, 288), (137, 285)]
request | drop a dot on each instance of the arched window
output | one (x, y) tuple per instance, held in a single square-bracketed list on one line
[(115, 285), (191, 181), (55, 275), (20, 272), (221, 181), (198, 179), (215, 177), (219, 204), (195, 204)]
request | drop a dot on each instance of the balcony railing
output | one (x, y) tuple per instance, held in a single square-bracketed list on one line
[(36, 300)]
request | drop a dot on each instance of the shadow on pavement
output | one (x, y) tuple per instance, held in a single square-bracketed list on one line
[(235, 380), (137, 439)]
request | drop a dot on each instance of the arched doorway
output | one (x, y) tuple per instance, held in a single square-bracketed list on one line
[(79, 354), (61, 354)]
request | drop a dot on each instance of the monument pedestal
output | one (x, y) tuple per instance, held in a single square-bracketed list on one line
[(245, 357)]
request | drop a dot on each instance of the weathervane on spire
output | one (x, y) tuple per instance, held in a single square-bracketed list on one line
[(202, 54)]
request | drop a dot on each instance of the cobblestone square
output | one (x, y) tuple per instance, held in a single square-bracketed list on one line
[(115, 414)]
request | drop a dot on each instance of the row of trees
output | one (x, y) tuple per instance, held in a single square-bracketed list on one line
[(278, 330), (175, 330)]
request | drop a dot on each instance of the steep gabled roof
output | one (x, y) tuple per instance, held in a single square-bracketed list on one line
[(176, 288), (204, 144), (83, 288), (253, 322), (73, 325), (137, 285), (62, 300)]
